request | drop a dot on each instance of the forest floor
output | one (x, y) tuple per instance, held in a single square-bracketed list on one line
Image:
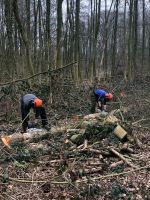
[(65, 173)]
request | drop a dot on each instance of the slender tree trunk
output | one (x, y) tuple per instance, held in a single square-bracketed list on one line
[(23, 35), (10, 62), (28, 19), (114, 67), (48, 42), (96, 32), (59, 32), (40, 52), (124, 41), (129, 68), (105, 39), (134, 38), (48, 36), (143, 34), (35, 32), (77, 41)]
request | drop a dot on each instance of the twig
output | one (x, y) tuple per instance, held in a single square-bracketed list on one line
[(123, 158), (31, 185), (115, 174), (37, 74), (139, 121), (120, 104), (79, 181)]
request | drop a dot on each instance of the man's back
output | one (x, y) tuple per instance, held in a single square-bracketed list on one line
[(28, 98)]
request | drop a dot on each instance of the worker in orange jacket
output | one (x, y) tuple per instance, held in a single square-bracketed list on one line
[(30, 101)]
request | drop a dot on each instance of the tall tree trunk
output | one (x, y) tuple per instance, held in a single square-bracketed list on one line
[(10, 62), (48, 43), (28, 19), (143, 34), (59, 32), (134, 38), (24, 37), (105, 39), (149, 52), (40, 51), (77, 42), (71, 35), (129, 67), (35, 6), (114, 67), (96, 31), (103, 60), (124, 41), (48, 36)]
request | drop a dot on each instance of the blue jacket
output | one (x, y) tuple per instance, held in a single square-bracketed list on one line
[(100, 96)]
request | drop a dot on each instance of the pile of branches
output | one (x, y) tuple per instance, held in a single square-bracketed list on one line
[(81, 151)]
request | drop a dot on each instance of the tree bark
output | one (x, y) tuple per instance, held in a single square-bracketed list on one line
[(59, 33), (24, 37)]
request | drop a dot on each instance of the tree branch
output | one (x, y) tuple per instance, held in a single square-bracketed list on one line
[(37, 74)]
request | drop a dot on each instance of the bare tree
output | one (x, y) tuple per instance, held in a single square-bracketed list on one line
[(59, 32), (24, 38), (10, 62)]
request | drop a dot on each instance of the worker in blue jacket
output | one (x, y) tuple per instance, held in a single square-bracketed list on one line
[(100, 97), (30, 101)]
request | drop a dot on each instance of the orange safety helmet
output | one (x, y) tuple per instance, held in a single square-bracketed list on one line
[(109, 96), (38, 102)]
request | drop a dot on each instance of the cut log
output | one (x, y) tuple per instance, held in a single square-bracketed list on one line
[(99, 116), (112, 119), (86, 124), (120, 132), (115, 164), (77, 139), (126, 147), (30, 136), (58, 130)]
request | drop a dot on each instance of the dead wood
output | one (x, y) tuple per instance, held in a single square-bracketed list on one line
[(137, 141), (98, 116), (18, 138), (115, 164), (123, 158), (126, 147), (37, 74), (58, 130), (120, 132), (92, 170), (101, 153)]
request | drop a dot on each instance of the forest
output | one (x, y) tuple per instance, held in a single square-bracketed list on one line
[(63, 51)]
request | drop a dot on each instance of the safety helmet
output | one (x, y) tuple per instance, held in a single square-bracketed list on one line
[(109, 96), (38, 102)]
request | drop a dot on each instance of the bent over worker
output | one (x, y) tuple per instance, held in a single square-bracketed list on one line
[(101, 97), (29, 101)]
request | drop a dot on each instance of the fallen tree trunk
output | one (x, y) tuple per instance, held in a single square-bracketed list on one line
[(96, 125), (19, 138)]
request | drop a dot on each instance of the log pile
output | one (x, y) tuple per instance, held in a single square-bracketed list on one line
[(98, 125), (87, 140), (94, 125)]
